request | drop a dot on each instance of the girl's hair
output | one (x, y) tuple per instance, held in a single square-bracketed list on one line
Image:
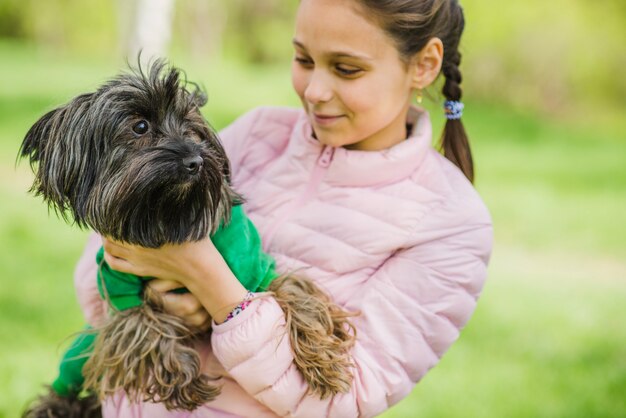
[(411, 24)]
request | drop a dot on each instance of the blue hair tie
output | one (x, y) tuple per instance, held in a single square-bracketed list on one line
[(453, 109)]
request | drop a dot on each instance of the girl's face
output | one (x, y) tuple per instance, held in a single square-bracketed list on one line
[(354, 86)]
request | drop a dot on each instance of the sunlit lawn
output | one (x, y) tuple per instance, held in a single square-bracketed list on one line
[(548, 338)]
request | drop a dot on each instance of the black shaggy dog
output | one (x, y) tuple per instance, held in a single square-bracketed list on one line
[(137, 162)]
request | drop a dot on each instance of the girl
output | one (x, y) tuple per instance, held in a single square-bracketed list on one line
[(349, 192)]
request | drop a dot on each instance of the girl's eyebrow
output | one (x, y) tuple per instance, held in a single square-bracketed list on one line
[(336, 54)]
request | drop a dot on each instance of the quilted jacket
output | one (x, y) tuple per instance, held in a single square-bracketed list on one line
[(399, 235)]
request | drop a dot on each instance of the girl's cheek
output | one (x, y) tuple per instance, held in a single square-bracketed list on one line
[(298, 80)]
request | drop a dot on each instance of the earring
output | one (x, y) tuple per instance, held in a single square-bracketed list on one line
[(419, 97)]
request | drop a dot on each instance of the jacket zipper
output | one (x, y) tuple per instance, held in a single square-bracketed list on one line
[(321, 166)]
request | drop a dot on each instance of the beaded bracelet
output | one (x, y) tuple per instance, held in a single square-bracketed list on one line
[(239, 308)]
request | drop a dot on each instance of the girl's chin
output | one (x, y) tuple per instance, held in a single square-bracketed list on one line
[(331, 140), (334, 138)]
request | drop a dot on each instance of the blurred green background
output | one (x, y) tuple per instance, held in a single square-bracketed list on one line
[(545, 93)]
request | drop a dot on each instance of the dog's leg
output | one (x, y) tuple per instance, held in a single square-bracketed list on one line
[(51, 405), (320, 333), (149, 355)]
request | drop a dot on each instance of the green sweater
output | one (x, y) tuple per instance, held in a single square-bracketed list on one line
[(238, 242)]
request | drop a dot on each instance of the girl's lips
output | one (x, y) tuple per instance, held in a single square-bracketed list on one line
[(325, 120)]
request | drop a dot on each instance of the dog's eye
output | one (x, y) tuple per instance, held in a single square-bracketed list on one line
[(141, 127)]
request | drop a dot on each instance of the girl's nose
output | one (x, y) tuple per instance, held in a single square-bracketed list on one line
[(319, 89)]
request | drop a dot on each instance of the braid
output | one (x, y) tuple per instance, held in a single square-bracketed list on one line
[(450, 69), (454, 141)]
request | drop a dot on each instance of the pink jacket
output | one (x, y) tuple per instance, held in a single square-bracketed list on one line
[(398, 234)]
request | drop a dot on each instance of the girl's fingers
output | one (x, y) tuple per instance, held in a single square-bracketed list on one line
[(183, 305), (115, 249), (119, 264), (200, 320), (188, 308), (164, 285)]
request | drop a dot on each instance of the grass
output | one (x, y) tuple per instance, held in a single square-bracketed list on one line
[(547, 338)]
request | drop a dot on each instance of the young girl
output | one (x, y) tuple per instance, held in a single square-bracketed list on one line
[(349, 192)]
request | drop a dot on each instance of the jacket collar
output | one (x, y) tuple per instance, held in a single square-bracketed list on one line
[(365, 168)]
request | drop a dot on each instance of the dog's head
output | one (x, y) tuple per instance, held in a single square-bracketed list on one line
[(135, 160)]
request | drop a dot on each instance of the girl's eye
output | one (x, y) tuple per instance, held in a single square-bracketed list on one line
[(303, 61), (347, 71), (141, 127)]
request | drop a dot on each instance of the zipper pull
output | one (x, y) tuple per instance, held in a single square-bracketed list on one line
[(326, 156)]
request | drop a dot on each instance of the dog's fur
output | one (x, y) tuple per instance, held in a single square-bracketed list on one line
[(96, 167)]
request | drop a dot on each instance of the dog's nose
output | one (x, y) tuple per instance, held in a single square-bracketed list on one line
[(193, 164)]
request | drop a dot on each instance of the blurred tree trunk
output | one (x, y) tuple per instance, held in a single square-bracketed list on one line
[(251, 18), (201, 25), (146, 27)]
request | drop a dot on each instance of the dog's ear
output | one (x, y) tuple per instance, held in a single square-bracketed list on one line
[(36, 137), (61, 151)]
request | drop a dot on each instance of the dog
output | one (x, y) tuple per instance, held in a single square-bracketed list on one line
[(137, 162)]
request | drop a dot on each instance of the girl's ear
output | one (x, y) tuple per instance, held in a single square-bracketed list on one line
[(426, 64)]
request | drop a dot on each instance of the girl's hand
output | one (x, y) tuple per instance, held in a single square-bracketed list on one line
[(181, 263), (183, 305), (198, 266)]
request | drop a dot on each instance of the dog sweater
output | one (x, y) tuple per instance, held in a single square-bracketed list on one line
[(238, 242)]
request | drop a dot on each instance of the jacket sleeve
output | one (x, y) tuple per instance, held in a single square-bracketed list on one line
[(93, 306), (412, 310)]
